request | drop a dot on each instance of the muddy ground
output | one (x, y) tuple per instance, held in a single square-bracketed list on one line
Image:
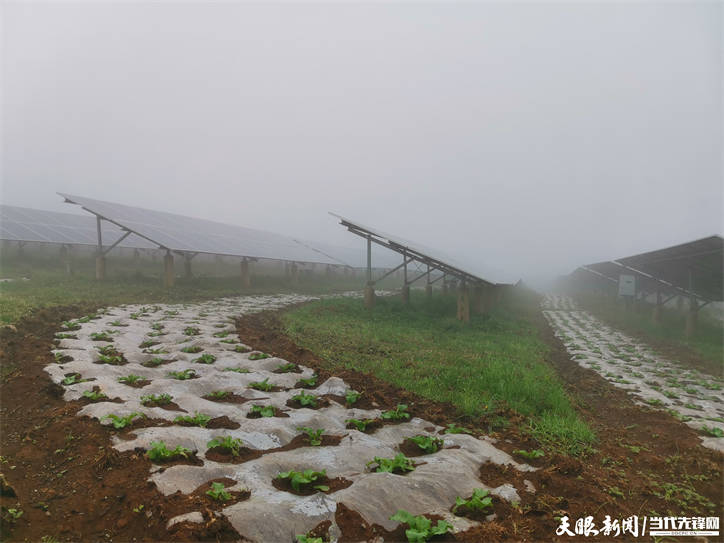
[(70, 483)]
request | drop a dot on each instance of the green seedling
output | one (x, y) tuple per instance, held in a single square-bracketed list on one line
[(711, 386), (314, 437), (130, 379), (231, 444), (264, 385), (199, 419), (309, 383), (262, 410), (654, 401), (389, 465), (160, 350), (182, 375), (160, 453), (101, 336), (420, 528), (237, 370), (360, 425), (159, 399), (88, 318), (305, 400), (62, 358), (218, 492), (138, 509), (398, 413), (693, 406), (218, 394), (72, 379), (170, 312), (61, 335), (241, 349), (286, 368), (351, 397), (229, 340), (14, 513), (452, 428), (258, 356), (308, 476), (94, 396), (192, 349), (427, 444), (713, 431), (530, 455), (205, 358), (615, 492), (156, 334), (192, 331), (221, 334), (154, 362), (119, 423), (70, 325), (157, 326), (111, 359), (479, 501), (117, 323), (305, 538)]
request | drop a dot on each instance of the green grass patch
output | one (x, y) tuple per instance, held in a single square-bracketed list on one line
[(493, 362)]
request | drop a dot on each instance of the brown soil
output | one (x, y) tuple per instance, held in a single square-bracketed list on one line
[(162, 363), (321, 402), (338, 483), (565, 485), (223, 455), (370, 428), (169, 406), (70, 483), (363, 402), (229, 398), (277, 413), (138, 384), (223, 422), (410, 448)]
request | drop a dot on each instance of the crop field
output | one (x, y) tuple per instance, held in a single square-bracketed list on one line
[(134, 413)]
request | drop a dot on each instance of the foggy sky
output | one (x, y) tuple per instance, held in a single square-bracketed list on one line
[(531, 138)]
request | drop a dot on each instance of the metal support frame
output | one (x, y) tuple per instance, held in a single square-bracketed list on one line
[(390, 272)]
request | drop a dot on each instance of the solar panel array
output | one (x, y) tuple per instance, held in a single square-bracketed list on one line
[(444, 262), (192, 235), (34, 225)]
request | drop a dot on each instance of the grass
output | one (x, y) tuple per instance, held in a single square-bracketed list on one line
[(481, 368)]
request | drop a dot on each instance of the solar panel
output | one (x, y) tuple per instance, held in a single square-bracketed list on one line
[(192, 235), (444, 262), (35, 225)]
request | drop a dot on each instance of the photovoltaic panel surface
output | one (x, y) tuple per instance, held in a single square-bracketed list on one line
[(189, 234), (446, 262), (36, 225)]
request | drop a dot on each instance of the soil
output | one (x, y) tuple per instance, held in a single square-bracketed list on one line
[(72, 485), (565, 485), (410, 448), (168, 406), (371, 426), (277, 413), (224, 455), (138, 384), (338, 483), (229, 398), (321, 402)]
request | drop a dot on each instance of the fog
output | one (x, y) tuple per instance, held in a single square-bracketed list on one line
[(530, 138)]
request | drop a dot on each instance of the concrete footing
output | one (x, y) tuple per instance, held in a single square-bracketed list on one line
[(463, 303), (406, 294), (169, 274), (187, 268), (245, 276), (100, 267), (66, 259), (369, 296)]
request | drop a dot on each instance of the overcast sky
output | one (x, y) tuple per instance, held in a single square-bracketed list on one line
[(530, 138)]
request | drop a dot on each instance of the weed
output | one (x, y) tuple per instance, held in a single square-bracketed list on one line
[(530, 455), (231, 444), (182, 375), (452, 428), (389, 465), (427, 444), (308, 476), (398, 413), (159, 399), (160, 453), (314, 437), (264, 385), (479, 501), (138, 508), (205, 358), (119, 423), (199, 419), (14, 513), (218, 492), (192, 349), (420, 527)]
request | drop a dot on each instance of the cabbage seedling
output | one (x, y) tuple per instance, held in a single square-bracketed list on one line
[(351, 397), (262, 410), (398, 413), (130, 379), (427, 444), (420, 528), (237, 370), (231, 444), (94, 396), (242, 349), (286, 368), (305, 400), (218, 394), (258, 356), (205, 358), (479, 501), (713, 431), (199, 419), (101, 336), (360, 425), (390, 465), (159, 399), (308, 476), (218, 492), (311, 382), (530, 455), (221, 334), (159, 453), (182, 375), (453, 428), (192, 331), (192, 349), (121, 422), (314, 437), (264, 385)]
